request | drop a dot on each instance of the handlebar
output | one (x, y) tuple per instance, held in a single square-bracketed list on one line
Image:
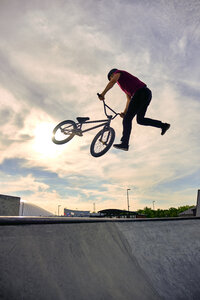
[(104, 106)]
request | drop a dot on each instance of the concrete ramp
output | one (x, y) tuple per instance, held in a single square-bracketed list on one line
[(169, 253), (83, 259)]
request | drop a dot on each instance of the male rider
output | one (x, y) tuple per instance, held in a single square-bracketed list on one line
[(138, 99)]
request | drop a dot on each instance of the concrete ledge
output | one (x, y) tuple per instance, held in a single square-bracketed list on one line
[(59, 220)]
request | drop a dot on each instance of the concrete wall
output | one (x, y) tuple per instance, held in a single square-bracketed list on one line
[(9, 205), (198, 204)]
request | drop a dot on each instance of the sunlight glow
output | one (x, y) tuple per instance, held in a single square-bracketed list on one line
[(43, 141)]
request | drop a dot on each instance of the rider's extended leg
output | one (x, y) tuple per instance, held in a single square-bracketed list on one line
[(146, 99), (150, 122), (138, 106)]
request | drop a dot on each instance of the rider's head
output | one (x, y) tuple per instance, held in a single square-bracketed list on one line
[(110, 73)]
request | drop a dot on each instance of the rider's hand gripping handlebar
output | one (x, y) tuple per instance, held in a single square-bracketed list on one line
[(105, 105), (100, 96)]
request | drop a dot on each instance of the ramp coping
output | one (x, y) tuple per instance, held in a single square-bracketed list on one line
[(64, 220)]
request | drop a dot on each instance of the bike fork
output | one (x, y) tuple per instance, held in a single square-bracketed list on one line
[(104, 130)]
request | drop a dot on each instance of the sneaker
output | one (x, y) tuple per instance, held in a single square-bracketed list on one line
[(121, 146), (165, 128)]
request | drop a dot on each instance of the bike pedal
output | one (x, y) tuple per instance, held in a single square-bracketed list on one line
[(79, 133), (104, 143), (64, 132)]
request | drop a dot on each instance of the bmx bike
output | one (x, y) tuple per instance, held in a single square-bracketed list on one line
[(103, 140)]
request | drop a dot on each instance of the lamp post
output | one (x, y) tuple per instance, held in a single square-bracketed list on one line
[(58, 209), (128, 198), (22, 208), (153, 205)]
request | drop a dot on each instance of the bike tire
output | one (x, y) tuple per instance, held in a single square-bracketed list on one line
[(63, 129), (98, 148)]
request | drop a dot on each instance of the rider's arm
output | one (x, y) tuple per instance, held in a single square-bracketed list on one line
[(127, 105), (111, 83)]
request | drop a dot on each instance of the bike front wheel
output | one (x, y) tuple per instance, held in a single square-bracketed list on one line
[(64, 132), (102, 142)]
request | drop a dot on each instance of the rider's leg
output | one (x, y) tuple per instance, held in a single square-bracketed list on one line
[(146, 99), (138, 106), (147, 121), (137, 103)]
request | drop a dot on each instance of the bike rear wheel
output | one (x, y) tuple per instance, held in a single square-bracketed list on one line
[(64, 132), (102, 142)]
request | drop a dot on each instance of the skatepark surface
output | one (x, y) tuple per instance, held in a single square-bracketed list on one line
[(99, 259)]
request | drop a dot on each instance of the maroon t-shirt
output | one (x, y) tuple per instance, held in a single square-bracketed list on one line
[(129, 83)]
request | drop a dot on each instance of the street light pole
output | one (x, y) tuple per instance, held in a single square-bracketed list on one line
[(153, 205), (22, 208), (58, 209), (128, 198)]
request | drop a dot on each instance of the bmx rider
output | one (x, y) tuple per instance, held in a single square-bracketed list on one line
[(138, 99)]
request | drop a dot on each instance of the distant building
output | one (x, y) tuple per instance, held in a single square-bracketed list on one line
[(95, 215), (198, 204), (118, 213), (9, 205), (76, 213), (31, 210), (191, 212)]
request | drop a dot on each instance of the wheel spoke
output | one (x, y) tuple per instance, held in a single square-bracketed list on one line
[(63, 132), (102, 142)]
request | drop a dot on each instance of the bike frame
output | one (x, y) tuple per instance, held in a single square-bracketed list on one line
[(106, 122)]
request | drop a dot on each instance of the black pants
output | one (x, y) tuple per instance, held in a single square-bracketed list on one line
[(138, 106)]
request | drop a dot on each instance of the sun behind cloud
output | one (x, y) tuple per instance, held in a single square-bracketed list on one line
[(42, 143)]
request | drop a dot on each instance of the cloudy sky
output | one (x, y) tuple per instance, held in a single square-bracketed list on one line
[(54, 58)]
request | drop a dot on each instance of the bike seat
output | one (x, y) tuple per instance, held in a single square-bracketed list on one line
[(82, 119)]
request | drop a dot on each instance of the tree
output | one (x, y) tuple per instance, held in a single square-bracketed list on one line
[(163, 213)]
